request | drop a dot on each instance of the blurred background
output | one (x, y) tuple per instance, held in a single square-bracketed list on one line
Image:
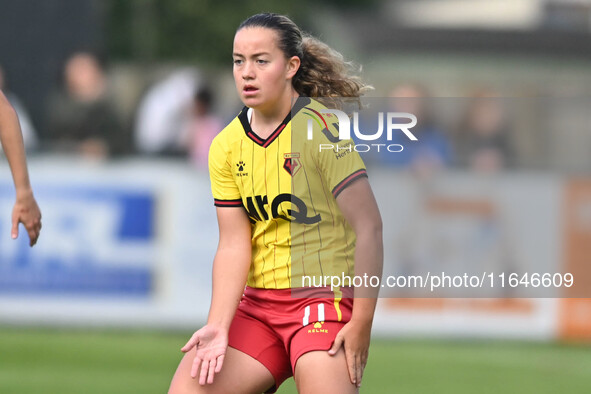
[(119, 100)]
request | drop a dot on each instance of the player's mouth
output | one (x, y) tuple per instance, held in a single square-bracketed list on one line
[(249, 90)]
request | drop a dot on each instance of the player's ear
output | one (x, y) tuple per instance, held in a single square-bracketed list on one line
[(293, 65)]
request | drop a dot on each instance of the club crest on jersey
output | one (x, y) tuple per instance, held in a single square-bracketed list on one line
[(292, 163)]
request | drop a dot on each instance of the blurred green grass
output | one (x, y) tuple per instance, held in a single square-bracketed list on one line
[(76, 361)]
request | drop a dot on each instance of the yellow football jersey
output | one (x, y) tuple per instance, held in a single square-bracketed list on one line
[(288, 187)]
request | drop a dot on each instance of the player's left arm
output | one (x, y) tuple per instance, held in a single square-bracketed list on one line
[(360, 209), (25, 209)]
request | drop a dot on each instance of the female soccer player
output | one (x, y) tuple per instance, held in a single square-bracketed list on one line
[(285, 210), (25, 209)]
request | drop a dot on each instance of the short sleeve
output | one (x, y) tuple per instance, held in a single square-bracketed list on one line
[(223, 187)]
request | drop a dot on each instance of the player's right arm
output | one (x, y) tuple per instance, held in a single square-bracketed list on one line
[(25, 208), (230, 271), (230, 265)]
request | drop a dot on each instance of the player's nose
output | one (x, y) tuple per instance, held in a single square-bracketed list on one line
[(248, 71)]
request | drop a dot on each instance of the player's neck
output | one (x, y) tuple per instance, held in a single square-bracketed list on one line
[(265, 121)]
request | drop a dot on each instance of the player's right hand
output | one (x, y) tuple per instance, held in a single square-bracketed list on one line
[(211, 343), (27, 212)]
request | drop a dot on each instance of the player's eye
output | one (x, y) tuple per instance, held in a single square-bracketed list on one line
[(261, 61), (237, 62)]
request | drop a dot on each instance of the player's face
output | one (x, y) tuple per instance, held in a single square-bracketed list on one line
[(262, 73)]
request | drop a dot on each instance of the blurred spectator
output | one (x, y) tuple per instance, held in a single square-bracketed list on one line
[(432, 150), (27, 128), (163, 114), (81, 116), (202, 127), (483, 142)]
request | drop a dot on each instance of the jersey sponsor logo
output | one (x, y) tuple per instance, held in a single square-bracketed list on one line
[(257, 208), (292, 163)]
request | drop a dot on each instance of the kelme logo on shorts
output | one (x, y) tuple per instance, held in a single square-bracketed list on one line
[(317, 328)]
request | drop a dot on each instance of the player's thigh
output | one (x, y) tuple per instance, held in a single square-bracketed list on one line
[(240, 374), (318, 372)]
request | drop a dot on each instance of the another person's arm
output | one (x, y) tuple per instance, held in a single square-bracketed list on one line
[(230, 271), (25, 209), (359, 207)]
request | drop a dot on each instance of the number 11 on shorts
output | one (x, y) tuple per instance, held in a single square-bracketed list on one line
[(306, 319)]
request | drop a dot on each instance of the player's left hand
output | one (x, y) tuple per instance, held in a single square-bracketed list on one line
[(27, 212), (354, 338)]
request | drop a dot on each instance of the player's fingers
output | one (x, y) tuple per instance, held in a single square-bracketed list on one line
[(362, 371), (364, 358), (358, 370), (37, 231), (350, 358), (218, 366), (195, 367), (192, 342), (211, 371), (14, 230), (33, 235), (338, 342), (203, 372)]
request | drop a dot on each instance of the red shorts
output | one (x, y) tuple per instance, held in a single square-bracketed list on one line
[(276, 327)]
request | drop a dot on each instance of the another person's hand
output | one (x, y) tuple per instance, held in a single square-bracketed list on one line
[(211, 343), (354, 338), (27, 212)]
